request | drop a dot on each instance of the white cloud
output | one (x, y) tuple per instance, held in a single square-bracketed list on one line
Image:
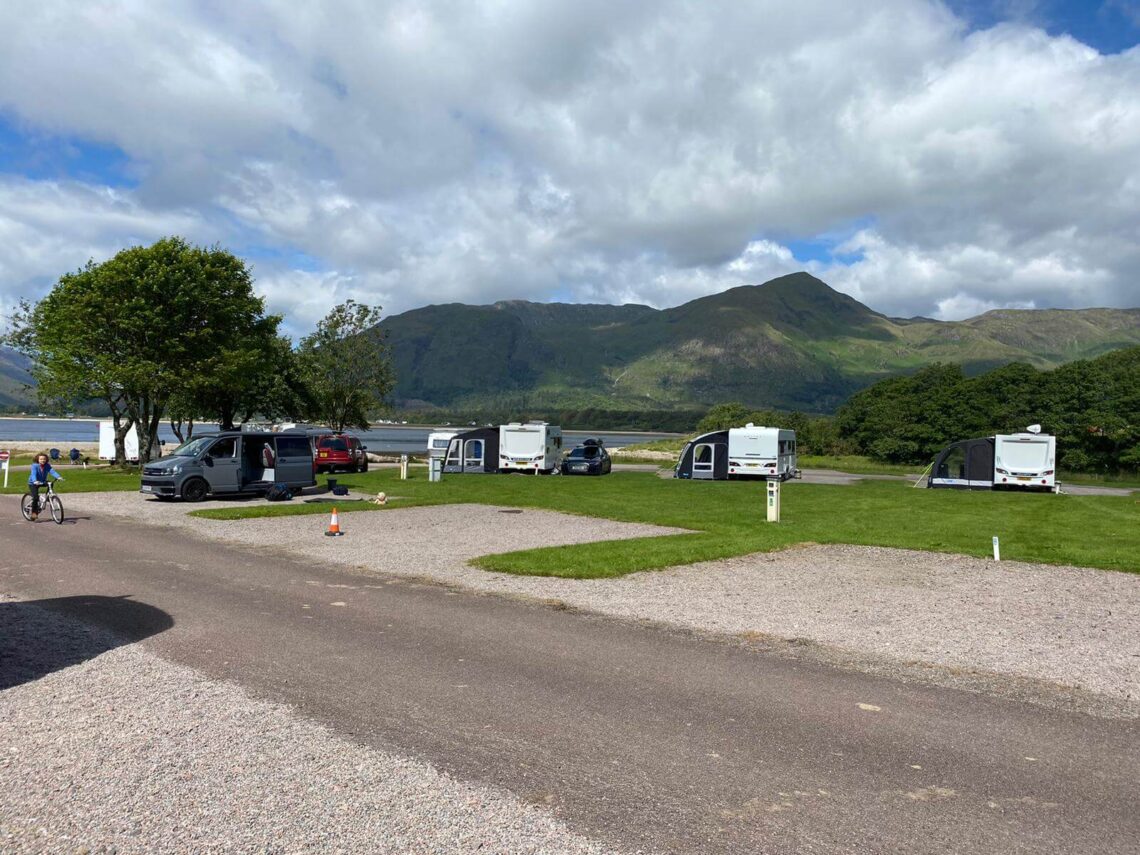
[(639, 152)]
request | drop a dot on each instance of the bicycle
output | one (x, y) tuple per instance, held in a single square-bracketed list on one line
[(48, 501)]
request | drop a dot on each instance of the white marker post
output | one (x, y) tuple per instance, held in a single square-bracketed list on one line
[(773, 500), (403, 467), (997, 549), (4, 455)]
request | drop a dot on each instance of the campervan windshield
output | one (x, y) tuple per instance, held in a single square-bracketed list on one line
[(193, 447), (1024, 455)]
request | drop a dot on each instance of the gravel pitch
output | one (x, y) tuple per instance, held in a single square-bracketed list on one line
[(1066, 626), (127, 753)]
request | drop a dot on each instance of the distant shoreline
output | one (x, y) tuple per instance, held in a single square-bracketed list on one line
[(375, 426), (54, 419)]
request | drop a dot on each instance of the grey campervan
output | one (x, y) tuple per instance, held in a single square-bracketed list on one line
[(230, 463)]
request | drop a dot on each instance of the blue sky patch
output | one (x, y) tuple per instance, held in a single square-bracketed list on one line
[(47, 157), (1110, 26), (284, 257)]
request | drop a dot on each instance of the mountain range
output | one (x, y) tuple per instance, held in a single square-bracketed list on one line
[(791, 343)]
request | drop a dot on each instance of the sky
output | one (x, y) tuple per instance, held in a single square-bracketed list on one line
[(927, 158)]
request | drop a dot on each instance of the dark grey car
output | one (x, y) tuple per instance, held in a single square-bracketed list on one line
[(231, 463)]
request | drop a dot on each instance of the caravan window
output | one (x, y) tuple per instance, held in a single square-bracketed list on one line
[(954, 465), (453, 453), (473, 452)]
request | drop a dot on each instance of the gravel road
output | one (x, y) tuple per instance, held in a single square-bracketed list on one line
[(1067, 627), (128, 753)]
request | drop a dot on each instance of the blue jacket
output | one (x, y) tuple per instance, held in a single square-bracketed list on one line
[(40, 473)]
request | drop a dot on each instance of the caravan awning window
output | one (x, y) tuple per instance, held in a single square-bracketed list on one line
[(473, 452)]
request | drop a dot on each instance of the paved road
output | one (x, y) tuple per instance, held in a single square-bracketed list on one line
[(637, 736)]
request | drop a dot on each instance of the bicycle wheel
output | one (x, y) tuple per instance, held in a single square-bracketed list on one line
[(26, 506), (56, 509)]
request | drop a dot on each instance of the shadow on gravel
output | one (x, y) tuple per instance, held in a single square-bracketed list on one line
[(38, 637)]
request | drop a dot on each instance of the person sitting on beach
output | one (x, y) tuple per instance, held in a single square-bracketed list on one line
[(38, 477)]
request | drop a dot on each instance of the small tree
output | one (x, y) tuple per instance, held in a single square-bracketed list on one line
[(345, 367)]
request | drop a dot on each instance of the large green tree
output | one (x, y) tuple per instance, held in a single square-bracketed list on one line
[(345, 367), (152, 325), (71, 361)]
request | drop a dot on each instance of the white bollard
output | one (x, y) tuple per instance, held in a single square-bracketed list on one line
[(773, 500), (403, 467), (997, 549)]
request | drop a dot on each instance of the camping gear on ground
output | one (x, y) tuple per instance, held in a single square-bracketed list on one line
[(279, 492)]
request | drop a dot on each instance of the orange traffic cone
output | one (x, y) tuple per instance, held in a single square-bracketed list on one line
[(334, 526)]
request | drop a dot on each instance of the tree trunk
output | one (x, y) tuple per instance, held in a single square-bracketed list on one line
[(148, 416), (121, 423)]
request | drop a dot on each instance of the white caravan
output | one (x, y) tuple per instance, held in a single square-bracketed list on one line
[(437, 443), (531, 447), (107, 443), (1026, 460), (761, 452), (747, 452)]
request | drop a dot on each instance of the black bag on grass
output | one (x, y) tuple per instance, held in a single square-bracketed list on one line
[(279, 493)]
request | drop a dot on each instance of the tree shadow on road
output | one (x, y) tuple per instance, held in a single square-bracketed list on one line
[(38, 637)]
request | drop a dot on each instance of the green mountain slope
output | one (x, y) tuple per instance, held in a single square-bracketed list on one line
[(793, 342), (14, 378)]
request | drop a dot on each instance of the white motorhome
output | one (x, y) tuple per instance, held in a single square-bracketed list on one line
[(531, 447), (107, 443), (1026, 460), (761, 452), (1020, 461)]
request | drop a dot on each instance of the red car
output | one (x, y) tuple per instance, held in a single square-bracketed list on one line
[(340, 451)]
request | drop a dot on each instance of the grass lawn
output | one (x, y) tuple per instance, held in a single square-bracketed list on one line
[(727, 518), (76, 479)]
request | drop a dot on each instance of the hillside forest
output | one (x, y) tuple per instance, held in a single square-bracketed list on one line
[(1091, 406)]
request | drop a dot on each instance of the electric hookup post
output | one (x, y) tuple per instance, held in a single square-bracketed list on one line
[(4, 455), (773, 500), (403, 467)]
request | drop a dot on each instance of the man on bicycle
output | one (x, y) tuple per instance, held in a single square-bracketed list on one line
[(38, 477)]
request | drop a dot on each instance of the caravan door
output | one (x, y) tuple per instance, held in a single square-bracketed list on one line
[(704, 461), (473, 450)]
